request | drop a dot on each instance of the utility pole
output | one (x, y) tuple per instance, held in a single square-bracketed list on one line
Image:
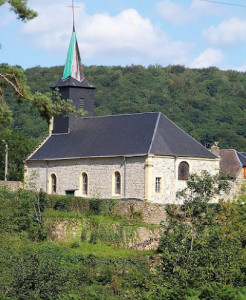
[(6, 160)]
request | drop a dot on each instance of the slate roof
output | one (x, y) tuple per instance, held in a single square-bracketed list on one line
[(242, 158), (121, 135), (243, 153)]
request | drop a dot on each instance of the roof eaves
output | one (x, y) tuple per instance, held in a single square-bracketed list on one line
[(86, 157), (38, 147)]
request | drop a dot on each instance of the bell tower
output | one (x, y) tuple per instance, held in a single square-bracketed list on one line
[(73, 85)]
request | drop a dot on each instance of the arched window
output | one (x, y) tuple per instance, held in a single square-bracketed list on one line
[(183, 172), (53, 184), (84, 184), (117, 183)]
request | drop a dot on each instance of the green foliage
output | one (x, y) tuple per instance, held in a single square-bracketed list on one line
[(136, 215), (207, 103), (75, 245), (199, 244), (202, 253), (21, 212), (19, 7), (61, 204), (120, 234), (81, 205), (204, 188), (20, 146)]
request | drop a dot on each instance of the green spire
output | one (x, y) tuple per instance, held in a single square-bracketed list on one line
[(73, 67)]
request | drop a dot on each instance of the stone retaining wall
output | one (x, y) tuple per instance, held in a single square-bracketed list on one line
[(152, 213), (13, 185)]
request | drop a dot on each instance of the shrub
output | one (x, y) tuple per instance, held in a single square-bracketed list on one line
[(61, 204)]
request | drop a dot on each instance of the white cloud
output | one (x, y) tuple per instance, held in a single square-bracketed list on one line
[(209, 57), (227, 33), (126, 35), (178, 14)]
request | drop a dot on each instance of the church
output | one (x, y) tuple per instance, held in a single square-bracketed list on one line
[(142, 156)]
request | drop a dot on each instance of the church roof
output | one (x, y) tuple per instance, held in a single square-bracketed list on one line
[(121, 135)]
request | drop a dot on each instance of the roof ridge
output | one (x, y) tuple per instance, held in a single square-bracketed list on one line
[(143, 113), (154, 134)]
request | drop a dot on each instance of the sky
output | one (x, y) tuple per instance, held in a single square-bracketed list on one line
[(193, 33)]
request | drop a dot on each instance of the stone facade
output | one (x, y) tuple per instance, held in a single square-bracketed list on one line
[(166, 168), (100, 174), (138, 176)]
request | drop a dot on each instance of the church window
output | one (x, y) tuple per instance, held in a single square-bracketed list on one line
[(183, 172), (117, 183), (53, 184), (158, 184), (84, 184), (81, 103)]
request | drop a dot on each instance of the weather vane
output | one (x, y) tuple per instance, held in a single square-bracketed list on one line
[(73, 7)]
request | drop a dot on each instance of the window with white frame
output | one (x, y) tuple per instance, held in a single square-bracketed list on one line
[(158, 184)]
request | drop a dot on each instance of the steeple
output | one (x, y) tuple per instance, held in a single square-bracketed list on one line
[(73, 85), (73, 67)]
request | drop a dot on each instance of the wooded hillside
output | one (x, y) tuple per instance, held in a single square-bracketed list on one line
[(209, 104)]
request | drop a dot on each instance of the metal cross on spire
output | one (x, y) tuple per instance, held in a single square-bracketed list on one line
[(73, 7)]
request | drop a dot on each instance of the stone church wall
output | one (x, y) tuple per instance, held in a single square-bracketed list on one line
[(100, 176), (167, 169), (137, 176)]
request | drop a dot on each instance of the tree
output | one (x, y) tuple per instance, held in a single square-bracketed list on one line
[(196, 245), (19, 7)]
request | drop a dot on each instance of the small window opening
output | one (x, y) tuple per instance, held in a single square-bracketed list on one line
[(158, 184), (84, 184), (53, 184), (117, 188)]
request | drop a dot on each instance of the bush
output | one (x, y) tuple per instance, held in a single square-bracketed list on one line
[(61, 204)]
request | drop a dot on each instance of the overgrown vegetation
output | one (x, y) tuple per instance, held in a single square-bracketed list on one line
[(203, 243), (201, 254)]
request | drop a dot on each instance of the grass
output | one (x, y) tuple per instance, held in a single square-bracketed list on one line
[(105, 251), (103, 219), (82, 248)]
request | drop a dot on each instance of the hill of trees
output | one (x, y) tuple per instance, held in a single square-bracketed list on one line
[(209, 104)]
